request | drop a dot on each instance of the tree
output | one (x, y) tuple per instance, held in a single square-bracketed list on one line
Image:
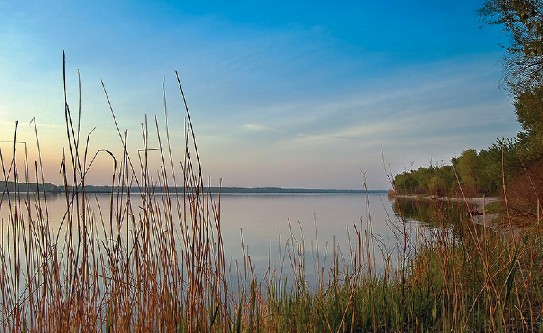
[(429, 181), (529, 109), (523, 19), (468, 167), (498, 161)]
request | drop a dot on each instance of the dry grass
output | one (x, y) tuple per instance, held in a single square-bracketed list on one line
[(151, 263)]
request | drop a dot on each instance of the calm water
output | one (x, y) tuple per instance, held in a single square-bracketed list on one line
[(266, 221)]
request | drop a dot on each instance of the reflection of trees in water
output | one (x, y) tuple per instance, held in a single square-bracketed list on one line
[(433, 213)]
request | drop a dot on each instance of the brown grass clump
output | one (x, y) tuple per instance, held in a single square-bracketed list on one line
[(148, 262), (525, 191)]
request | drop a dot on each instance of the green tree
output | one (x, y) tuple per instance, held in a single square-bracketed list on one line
[(468, 166), (405, 183), (491, 169), (497, 162), (428, 181), (529, 109), (523, 20)]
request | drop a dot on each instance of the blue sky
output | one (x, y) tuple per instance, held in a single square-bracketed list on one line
[(282, 93)]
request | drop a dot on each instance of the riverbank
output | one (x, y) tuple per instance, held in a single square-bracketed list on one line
[(475, 205)]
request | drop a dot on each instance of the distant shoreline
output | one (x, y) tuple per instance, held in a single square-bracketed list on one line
[(52, 188)]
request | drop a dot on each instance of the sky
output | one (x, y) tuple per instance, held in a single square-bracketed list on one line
[(292, 93)]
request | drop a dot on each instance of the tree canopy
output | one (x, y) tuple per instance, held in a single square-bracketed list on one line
[(529, 110), (523, 20), (471, 173)]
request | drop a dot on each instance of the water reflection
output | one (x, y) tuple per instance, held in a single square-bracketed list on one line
[(322, 224), (434, 213), (271, 228)]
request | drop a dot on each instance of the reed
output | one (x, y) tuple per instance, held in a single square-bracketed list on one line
[(156, 262), (148, 262)]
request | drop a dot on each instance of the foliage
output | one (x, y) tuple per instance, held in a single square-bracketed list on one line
[(475, 173), (472, 173), (468, 168), (523, 20), (426, 180), (529, 109)]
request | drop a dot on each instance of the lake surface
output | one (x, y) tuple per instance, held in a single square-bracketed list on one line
[(261, 225), (265, 219)]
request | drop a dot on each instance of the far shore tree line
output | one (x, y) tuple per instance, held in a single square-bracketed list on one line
[(511, 167)]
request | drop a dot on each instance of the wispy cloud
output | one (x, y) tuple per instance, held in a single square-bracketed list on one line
[(259, 128)]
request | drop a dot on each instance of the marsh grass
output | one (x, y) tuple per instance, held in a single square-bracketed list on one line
[(151, 264), (156, 262)]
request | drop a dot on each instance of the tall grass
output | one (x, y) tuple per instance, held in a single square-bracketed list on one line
[(148, 262), (155, 261)]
